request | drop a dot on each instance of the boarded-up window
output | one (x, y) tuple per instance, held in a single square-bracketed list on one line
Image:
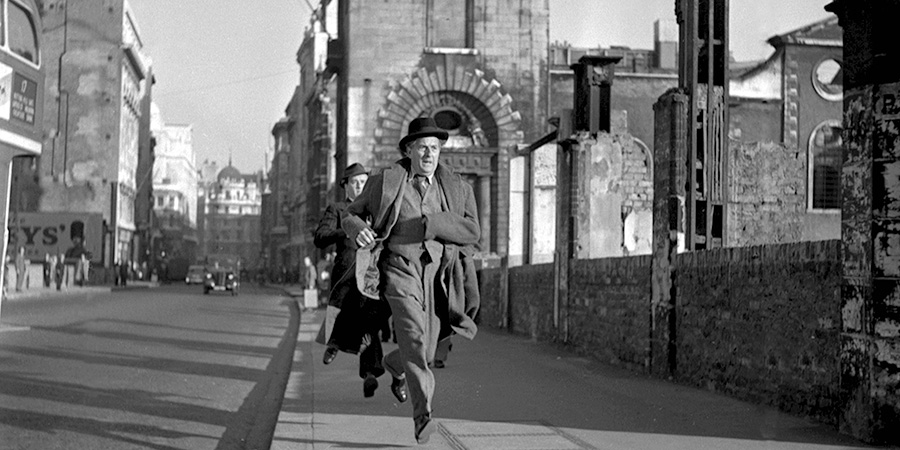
[(448, 23), (825, 146)]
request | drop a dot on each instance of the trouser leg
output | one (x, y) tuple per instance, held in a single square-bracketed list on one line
[(443, 349), (371, 356), (417, 327)]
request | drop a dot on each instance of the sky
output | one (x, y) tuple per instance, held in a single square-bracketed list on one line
[(230, 71)]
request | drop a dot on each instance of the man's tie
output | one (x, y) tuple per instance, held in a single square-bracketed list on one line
[(421, 183)]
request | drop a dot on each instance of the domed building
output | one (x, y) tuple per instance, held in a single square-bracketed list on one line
[(229, 215)]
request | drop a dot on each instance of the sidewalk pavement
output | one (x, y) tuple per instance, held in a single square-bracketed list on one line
[(40, 291), (506, 392)]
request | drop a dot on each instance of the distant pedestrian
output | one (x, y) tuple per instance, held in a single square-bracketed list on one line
[(21, 268), (323, 281), (123, 273), (309, 273), (47, 267), (59, 270), (84, 269)]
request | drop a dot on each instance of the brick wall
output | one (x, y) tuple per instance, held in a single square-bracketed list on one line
[(531, 301), (759, 323), (490, 313), (609, 309), (762, 323)]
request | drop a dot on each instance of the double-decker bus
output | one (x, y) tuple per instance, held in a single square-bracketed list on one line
[(21, 97)]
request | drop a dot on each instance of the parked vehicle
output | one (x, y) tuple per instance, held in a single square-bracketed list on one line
[(196, 275), (221, 279)]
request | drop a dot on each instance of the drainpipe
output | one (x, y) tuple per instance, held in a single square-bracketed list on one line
[(60, 141)]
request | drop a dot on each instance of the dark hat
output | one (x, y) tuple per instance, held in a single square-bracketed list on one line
[(422, 127), (76, 230), (353, 170)]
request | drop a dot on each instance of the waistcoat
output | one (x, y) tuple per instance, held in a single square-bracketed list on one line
[(407, 238)]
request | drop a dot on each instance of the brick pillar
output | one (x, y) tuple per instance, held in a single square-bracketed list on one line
[(669, 179), (870, 230)]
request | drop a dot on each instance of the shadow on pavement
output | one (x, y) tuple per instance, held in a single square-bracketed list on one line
[(172, 371), (500, 389)]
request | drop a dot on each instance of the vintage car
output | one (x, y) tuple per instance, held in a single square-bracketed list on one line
[(196, 275), (219, 279)]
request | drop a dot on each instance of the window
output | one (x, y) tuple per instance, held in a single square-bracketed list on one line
[(448, 119), (825, 153), (828, 79), (22, 33), (449, 23)]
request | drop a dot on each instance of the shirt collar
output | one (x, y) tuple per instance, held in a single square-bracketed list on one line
[(412, 176)]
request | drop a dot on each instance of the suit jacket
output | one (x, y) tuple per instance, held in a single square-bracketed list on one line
[(456, 226)]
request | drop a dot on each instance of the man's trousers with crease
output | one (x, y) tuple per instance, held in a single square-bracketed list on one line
[(409, 289)]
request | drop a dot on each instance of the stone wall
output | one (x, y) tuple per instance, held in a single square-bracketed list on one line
[(763, 324), (768, 194), (609, 310), (759, 323)]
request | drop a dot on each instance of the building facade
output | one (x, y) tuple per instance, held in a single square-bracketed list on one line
[(793, 99), (229, 215), (175, 183), (641, 76), (784, 143), (275, 208), (478, 67), (96, 79)]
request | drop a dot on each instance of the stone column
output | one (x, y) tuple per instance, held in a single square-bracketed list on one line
[(870, 230), (484, 211)]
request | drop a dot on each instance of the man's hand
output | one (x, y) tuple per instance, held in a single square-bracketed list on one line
[(365, 238)]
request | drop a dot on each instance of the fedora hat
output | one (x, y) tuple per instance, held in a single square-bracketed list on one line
[(353, 170), (422, 127)]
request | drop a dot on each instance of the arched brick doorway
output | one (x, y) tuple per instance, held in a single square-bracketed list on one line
[(482, 126)]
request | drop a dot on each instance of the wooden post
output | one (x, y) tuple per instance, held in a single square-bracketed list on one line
[(505, 321)]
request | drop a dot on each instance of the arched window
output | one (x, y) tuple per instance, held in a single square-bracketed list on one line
[(825, 153)]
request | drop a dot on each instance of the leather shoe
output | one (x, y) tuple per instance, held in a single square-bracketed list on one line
[(398, 388), (369, 386), (330, 354), (424, 429)]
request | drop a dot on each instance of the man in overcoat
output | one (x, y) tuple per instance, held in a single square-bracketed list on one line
[(424, 218), (355, 329)]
